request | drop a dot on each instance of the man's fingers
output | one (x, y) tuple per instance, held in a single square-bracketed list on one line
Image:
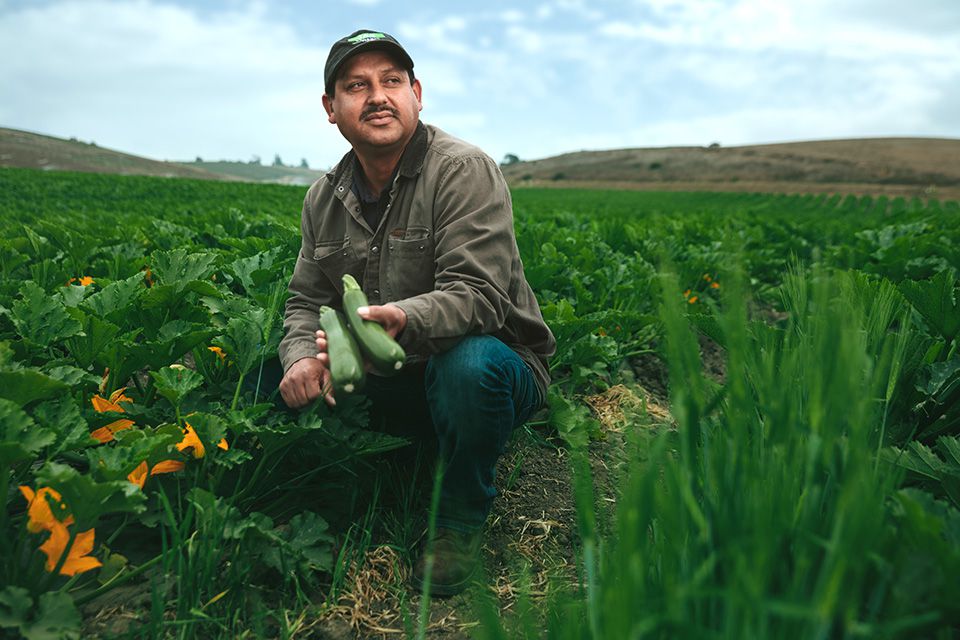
[(302, 383), (391, 317), (327, 390)]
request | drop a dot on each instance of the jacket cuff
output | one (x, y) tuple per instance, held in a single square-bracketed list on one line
[(418, 322), (298, 351)]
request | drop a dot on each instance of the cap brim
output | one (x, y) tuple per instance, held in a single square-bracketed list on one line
[(374, 45)]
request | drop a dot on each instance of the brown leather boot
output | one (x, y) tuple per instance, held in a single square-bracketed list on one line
[(455, 562)]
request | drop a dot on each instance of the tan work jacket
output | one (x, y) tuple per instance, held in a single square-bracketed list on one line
[(444, 251)]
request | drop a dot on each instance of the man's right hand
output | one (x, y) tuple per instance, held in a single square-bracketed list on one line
[(306, 380)]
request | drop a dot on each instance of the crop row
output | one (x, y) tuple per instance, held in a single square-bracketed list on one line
[(136, 315)]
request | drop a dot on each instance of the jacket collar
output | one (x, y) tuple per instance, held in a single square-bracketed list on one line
[(411, 162)]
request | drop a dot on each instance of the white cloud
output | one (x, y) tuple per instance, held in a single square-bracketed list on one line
[(761, 25), (243, 77), (158, 80), (445, 35)]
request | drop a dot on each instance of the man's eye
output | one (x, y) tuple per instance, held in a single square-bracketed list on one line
[(392, 80), (354, 85)]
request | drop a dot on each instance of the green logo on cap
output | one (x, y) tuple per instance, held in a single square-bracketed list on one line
[(364, 37)]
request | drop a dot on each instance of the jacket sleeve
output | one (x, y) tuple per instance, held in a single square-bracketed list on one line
[(474, 252), (307, 293)]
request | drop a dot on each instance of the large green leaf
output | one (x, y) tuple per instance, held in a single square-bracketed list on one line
[(15, 605), (174, 268), (63, 417), (168, 349), (243, 339), (174, 383), (116, 298), (40, 319), (27, 385), (57, 618), (133, 446), (304, 545), (163, 296), (88, 499), (73, 294), (96, 337), (256, 270), (20, 437), (935, 301)]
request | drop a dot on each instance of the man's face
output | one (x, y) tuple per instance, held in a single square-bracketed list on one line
[(375, 105)]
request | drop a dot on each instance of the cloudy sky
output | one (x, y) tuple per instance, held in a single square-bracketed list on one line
[(230, 79)]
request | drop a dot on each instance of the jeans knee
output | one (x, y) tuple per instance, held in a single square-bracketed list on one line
[(474, 367)]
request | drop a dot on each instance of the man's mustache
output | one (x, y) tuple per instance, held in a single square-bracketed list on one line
[(378, 110)]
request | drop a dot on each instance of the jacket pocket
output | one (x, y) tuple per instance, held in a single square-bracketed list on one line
[(336, 259), (412, 268)]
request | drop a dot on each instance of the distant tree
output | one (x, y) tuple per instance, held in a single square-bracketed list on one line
[(303, 163), (254, 159), (509, 159), (277, 161), (199, 159)]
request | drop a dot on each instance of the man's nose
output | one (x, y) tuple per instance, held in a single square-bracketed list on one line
[(377, 95)]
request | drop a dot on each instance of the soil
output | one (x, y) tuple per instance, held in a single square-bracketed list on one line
[(531, 540)]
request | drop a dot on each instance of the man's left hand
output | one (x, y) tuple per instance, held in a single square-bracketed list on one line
[(392, 317)]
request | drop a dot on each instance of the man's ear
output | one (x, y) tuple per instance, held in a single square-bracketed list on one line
[(418, 91), (328, 107)]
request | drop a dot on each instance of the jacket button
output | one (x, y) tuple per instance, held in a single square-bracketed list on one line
[(375, 250), (340, 189), (376, 292)]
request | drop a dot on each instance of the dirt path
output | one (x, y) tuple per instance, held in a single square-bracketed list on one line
[(532, 534)]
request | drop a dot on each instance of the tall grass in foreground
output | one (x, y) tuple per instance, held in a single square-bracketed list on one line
[(767, 513)]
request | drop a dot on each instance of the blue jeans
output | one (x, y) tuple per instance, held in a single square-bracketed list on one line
[(471, 397)]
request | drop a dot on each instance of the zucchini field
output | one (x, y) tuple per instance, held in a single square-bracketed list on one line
[(805, 485)]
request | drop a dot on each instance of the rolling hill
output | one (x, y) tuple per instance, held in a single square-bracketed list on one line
[(927, 167), (35, 151), (924, 167)]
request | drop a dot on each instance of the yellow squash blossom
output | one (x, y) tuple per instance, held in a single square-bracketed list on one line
[(191, 440), (167, 466), (692, 300), (139, 475), (100, 405), (39, 515), (105, 434), (219, 352), (78, 558)]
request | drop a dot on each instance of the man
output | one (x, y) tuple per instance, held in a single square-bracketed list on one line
[(424, 222)]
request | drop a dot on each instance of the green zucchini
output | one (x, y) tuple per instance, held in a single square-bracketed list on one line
[(380, 349), (346, 362)]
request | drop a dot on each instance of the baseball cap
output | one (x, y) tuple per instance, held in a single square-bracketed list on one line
[(357, 42)]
